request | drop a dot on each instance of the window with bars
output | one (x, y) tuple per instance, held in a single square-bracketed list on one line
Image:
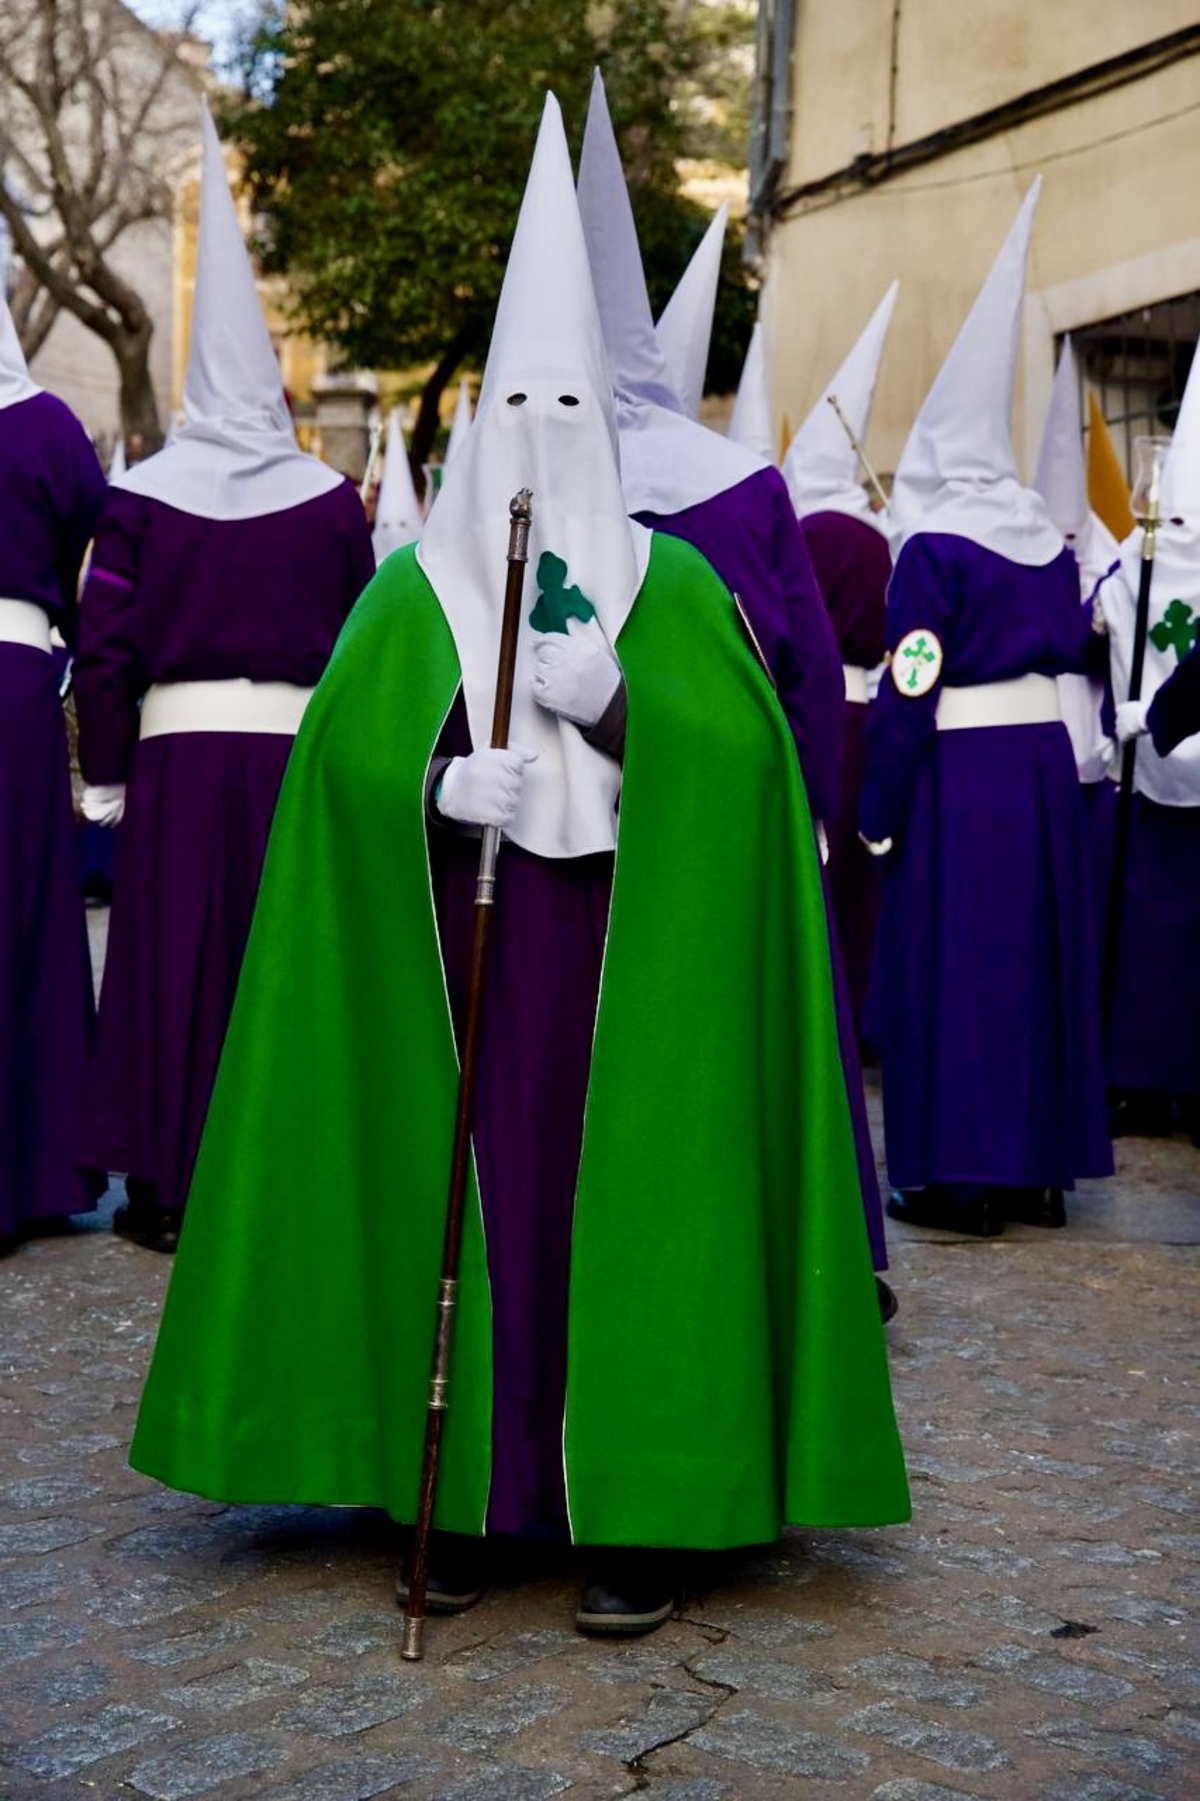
[(1137, 365)]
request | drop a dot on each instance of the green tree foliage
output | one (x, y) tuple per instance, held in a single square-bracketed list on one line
[(387, 144)]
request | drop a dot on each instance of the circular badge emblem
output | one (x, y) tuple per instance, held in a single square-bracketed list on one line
[(917, 663)]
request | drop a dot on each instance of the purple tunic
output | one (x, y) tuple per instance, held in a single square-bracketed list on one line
[(535, 1056), (173, 597), (753, 540), (992, 1055), (853, 566), (51, 495)]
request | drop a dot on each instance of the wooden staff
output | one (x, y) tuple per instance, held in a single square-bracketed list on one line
[(1116, 892), (859, 452), (520, 513)]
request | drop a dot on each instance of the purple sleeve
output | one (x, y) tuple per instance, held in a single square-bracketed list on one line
[(812, 689), (903, 727), (109, 678), (83, 490), (360, 551), (1175, 710)]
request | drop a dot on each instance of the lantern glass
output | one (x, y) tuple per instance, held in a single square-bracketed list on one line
[(1149, 456)]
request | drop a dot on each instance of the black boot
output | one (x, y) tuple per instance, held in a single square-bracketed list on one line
[(626, 1593), (457, 1575), (973, 1210), (889, 1306), (1036, 1206), (144, 1222)]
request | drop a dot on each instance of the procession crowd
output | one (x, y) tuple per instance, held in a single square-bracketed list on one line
[(798, 772)]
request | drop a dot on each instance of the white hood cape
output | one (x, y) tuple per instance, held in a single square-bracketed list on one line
[(957, 472), (545, 422), (235, 456)]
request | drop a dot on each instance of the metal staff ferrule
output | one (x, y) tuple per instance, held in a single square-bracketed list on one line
[(440, 1383), (520, 511), (412, 1644), (485, 882)]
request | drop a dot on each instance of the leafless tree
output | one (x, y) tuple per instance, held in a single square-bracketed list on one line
[(95, 111)]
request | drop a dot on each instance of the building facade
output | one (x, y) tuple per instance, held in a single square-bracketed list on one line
[(897, 137)]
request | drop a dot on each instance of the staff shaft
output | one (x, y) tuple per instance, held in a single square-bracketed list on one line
[(412, 1645), (859, 452), (1116, 892)]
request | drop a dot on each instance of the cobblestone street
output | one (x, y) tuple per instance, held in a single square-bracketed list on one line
[(1031, 1635)]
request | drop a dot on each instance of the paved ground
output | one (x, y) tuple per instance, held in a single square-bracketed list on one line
[(1031, 1635)]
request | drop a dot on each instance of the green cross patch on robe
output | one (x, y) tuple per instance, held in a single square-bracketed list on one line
[(556, 602), (1176, 630)]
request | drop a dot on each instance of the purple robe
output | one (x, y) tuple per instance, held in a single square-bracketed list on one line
[(853, 566), (753, 540), (172, 598), (992, 1049), (535, 1057), (51, 494)]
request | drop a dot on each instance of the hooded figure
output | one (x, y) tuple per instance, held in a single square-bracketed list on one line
[(692, 1018), (397, 509), (848, 546), (750, 424), (733, 507), (223, 571), (1154, 1046), (684, 331), (51, 495), (992, 1070)]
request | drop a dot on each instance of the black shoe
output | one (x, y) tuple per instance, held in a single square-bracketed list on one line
[(144, 1222), (974, 1211), (457, 1575), (1139, 1114), (889, 1306), (626, 1593), (1036, 1206)]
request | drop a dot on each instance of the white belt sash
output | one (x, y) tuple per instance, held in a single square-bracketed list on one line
[(232, 706), (857, 683), (22, 622), (1027, 700)]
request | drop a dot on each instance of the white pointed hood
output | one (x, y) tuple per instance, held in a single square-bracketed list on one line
[(684, 331), (821, 466), (545, 421), (235, 456), (16, 383), (750, 422), (668, 462), (460, 425), (958, 472), (397, 509), (1061, 477)]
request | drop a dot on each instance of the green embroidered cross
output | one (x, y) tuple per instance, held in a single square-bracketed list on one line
[(556, 603), (917, 652), (1176, 630)]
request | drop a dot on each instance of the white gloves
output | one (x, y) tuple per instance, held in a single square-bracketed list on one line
[(879, 848), (1131, 720), (484, 788), (822, 841), (104, 804), (574, 676)]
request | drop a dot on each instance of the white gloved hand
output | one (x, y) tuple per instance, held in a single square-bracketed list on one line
[(574, 676), (877, 847), (104, 804), (822, 841), (484, 788), (1131, 720)]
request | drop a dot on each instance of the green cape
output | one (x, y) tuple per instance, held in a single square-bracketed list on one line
[(726, 1364)]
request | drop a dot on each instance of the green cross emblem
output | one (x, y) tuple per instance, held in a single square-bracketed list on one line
[(1176, 630), (916, 653), (556, 603)]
